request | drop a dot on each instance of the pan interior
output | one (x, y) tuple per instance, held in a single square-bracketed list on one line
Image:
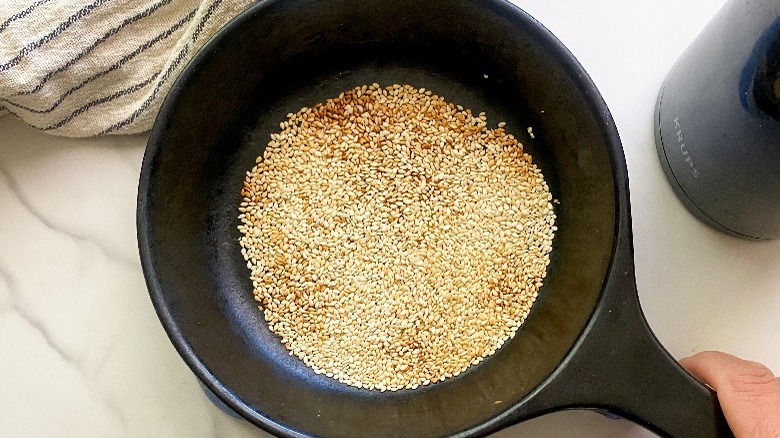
[(281, 56)]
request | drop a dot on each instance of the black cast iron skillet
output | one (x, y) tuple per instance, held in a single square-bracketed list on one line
[(586, 342)]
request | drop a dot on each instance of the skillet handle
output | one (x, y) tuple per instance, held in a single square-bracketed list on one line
[(619, 366)]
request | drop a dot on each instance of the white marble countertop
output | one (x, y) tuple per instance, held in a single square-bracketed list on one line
[(82, 353)]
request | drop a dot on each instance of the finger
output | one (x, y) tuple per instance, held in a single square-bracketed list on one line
[(748, 392)]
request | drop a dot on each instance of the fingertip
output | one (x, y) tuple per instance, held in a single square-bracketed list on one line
[(709, 366)]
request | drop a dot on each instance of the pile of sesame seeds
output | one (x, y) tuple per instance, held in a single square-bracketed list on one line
[(394, 239)]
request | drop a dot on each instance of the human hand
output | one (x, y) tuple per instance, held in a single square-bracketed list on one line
[(748, 392)]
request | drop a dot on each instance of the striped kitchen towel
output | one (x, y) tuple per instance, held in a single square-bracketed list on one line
[(82, 68)]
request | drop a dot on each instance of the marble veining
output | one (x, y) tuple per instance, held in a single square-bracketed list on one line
[(41, 216), (53, 226)]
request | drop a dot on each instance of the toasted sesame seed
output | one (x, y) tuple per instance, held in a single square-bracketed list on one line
[(393, 239)]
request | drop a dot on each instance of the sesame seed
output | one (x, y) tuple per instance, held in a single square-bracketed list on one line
[(392, 238)]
